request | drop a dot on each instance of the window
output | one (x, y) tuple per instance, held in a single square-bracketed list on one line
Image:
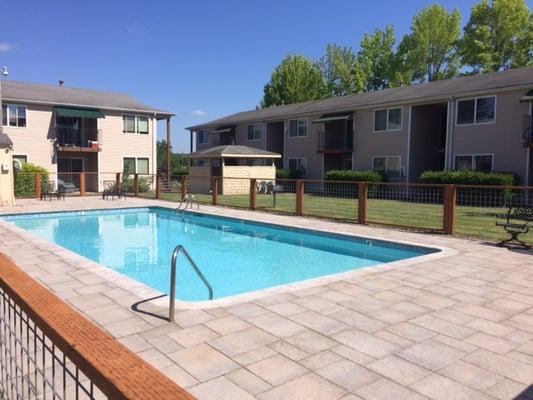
[(142, 166), (474, 162), (135, 124), (298, 127), (298, 164), (347, 163), (388, 165), (13, 115), (388, 120), (254, 131), (129, 165), (19, 161), (203, 137), (480, 110)]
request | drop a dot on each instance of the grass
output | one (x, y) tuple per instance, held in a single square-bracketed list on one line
[(475, 222)]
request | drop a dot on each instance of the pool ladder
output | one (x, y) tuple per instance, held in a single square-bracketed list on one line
[(188, 200), (177, 250)]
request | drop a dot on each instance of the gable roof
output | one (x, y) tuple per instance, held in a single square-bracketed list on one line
[(232, 151), (26, 92), (463, 86)]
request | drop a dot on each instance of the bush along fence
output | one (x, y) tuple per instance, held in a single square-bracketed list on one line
[(462, 209)]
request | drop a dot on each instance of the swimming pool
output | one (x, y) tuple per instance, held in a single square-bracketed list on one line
[(236, 256)]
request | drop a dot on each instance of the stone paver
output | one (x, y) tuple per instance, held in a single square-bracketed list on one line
[(453, 327)]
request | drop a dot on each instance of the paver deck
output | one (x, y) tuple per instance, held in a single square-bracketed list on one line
[(457, 327)]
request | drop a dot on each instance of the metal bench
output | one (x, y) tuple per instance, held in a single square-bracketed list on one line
[(516, 221)]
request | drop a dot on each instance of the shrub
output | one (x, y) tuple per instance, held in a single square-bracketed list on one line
[(354, 176), (25, 180), (128, 184), (469, 178), (285, 173)]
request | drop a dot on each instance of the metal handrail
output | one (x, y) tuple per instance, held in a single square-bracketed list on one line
[(188, 203), (179, 248)]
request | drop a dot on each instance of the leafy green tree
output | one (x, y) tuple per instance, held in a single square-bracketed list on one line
[(341, 70), (296, 79), (375, 58), (430, 52), (498, 35), (179, 164)]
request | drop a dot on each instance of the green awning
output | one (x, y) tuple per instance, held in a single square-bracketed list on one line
[(78, 112)]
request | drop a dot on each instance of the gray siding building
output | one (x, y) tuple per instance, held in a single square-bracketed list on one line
[(480, 122)]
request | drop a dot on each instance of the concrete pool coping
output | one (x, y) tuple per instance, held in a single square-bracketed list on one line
[(160, 299), (459, 326)]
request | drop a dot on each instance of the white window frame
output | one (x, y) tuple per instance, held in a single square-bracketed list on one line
[(297, 128), (203, 133), (260, 130), (475, 111), (400, 176), (6, 115), (136, 116), (387, 129), (472, 155), (136, 158)]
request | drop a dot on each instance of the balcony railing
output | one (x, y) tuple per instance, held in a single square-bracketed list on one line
[(334, 143), (223, 141), (78, 139)]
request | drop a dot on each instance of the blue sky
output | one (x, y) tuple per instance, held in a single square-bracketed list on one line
[(199, 59)]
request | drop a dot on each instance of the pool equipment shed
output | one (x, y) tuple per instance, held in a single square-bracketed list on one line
[(227, 162)]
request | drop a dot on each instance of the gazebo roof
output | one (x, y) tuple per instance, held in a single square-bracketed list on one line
[(231, 151)]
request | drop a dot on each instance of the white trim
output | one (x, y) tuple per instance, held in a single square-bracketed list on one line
[(136, 116), (20, 155), (386, 165), (136, 158), (205, 132), (472, 155), (6, 114), (408, 155), (297, 128), (457, 101), (387, 130)]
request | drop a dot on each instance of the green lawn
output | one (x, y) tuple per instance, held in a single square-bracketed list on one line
[(476, 222)]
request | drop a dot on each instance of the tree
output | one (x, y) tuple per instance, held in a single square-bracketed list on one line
[(376, 58), (430, 52), (179, 165), (498, 36), (341, 70), (296, 79)]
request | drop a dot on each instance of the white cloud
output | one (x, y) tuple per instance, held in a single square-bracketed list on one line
[(5, 46), (198, 113)]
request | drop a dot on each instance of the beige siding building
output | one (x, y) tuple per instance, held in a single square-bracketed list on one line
[(480, 122), (69, 130)]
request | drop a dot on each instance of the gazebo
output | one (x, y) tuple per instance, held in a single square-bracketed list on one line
[(235, 165)]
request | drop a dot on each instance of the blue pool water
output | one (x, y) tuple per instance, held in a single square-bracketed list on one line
[(236, 256)]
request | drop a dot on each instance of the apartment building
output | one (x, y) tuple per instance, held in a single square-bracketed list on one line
[(67, 130), (480, 122)]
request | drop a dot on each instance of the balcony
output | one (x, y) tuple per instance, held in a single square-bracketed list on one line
[(334, 143), (223, 140), (78, 140)]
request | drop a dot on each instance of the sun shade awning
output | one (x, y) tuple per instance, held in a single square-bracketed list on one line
[(221, 130), (78, 112), (334, 117), (528, 96)]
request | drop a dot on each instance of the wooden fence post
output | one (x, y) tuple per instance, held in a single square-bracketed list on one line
[(450, 197), (38, 186), (362, 202), (253, 194), (117, 182), (214, 187), (158, 186), (136, 185), (299, 197), (83, 184), (183, 187)]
